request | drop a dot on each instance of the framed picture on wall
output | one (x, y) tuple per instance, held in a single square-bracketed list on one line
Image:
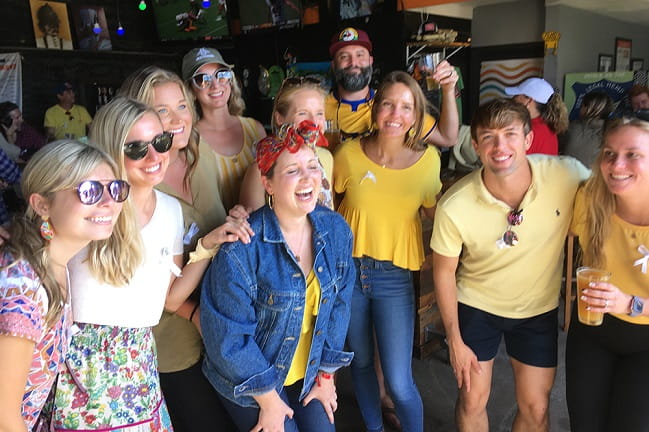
[(637, 64), (605, 63), (622, 54), (92, 28), (51, 25)]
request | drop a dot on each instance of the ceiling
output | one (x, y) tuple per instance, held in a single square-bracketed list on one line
[(635, 11)]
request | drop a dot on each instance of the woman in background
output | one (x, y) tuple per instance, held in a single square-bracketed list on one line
[(549, 113), (384, 181), (221, 125), (74, 199), (583, 138), (606, 365), (189, 179), (298, 99)]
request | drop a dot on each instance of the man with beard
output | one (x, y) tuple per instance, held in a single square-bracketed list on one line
[(348, 107)]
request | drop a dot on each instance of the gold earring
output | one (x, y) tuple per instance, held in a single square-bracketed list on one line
[(269, 200)]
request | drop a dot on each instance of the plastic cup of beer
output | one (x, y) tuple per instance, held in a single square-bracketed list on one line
[(586, 275), (428, 65)]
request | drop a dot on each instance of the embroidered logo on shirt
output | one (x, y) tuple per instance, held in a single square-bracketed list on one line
[(642, 261), (368, 175)]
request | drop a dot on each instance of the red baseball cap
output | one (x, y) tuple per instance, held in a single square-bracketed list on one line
[(349, 36)]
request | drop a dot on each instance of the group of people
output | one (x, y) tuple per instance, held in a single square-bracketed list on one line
[(185, 272)]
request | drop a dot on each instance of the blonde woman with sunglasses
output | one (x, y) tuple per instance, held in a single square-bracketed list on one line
[(298, 99), (111, 382), (221, 125), (74, 198)]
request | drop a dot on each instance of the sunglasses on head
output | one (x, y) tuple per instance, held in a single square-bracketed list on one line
[(204, 80), (136, 150), (298, 81), (514, 218), (91, 191)]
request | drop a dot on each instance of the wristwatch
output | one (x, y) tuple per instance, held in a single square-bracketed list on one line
[(637, 304)]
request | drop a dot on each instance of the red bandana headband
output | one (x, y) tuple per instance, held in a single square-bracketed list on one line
[(288, 137)]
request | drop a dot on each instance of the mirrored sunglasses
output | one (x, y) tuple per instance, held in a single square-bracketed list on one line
[(221, 76), (514, 218), (136, 150), (91, 191)]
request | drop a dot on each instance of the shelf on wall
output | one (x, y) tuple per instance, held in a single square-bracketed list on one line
[(413, 48)]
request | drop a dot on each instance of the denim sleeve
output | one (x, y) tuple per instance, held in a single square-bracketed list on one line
[(332, 356), (228, 322)]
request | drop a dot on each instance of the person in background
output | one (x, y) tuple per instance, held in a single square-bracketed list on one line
[(275, 312), (382, 182), (298, 99), (21, 140), (498, 238), (547, 110), (349, 105), (192, 401), (606, 378), (639, 98), (9, 177), (221, 125), (74, 199), (66, 119), (112, 379), (583, 138)]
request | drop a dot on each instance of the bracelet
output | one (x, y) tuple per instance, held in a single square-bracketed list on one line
[(202, 253), (191, 315), (323, 375)]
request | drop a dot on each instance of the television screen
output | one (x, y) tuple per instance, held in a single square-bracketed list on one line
[(190, 19), (269, 13)]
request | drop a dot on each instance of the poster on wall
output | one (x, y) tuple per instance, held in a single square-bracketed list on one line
[(269, 13), (495, 75), (11, 84), (622, 54), (51, 25), (357, 8), (181, 20), (614, 84), (92, 28)]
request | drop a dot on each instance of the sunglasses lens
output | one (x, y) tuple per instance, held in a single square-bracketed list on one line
[(202, 80), (162, 143), (510, 238), (136, 150), (119, 190), (223, 75), (515, 217), (90, 192)]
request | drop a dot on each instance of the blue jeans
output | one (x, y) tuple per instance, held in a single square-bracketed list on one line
[(383, 304), (310, 418)]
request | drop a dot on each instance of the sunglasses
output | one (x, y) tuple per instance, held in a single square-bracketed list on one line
[(136, 150), (514, 218), (203, 80), (69, 114), (91, 191), (297, 81)]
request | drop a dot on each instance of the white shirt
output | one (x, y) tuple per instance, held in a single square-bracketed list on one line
[(141, 302)]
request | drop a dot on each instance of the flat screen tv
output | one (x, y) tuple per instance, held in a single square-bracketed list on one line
[(269, 13), (190, 19)]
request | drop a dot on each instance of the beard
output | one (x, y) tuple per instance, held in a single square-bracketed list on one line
[(352, 81)]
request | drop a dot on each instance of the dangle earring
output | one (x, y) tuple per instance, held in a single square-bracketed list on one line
[(411, 132), (47, 232), (269, 200)]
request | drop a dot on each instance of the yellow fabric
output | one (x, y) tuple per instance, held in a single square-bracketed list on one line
[(381, 205), (513, 282), (311, 308), (355, 117), (230, 169), (64, 127), (178, 342), (621, 251)]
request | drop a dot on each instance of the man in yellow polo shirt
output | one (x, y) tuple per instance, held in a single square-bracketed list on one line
[(348, 107), (65, 119), (497, 245)]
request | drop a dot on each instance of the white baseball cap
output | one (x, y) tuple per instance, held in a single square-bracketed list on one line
[(537, 88)]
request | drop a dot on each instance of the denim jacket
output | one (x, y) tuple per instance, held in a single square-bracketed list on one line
[(252, 305)]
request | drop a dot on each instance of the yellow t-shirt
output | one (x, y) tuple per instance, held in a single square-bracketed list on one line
[(178, 342), (621, 252), (381, 205), (311, 308), (354, 118), (71, 125), (230, 169), (513, 282)]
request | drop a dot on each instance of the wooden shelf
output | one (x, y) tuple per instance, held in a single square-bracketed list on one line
[(413, 48)]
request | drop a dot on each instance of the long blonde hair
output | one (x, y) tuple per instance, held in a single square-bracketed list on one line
[(140, 86), (108, 131), (600, 202), (58, 166)]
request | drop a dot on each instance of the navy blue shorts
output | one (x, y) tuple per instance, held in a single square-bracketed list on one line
[(531, 341)]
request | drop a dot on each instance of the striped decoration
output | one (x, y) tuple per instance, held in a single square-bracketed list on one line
[(495, 75)]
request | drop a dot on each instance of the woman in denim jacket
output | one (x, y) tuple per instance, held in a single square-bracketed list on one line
[(275, 312)]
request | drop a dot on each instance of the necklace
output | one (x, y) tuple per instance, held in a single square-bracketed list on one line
[(299, 250)]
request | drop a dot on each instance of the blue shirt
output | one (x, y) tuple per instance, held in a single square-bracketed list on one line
[(10, 174), (252, 305)]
